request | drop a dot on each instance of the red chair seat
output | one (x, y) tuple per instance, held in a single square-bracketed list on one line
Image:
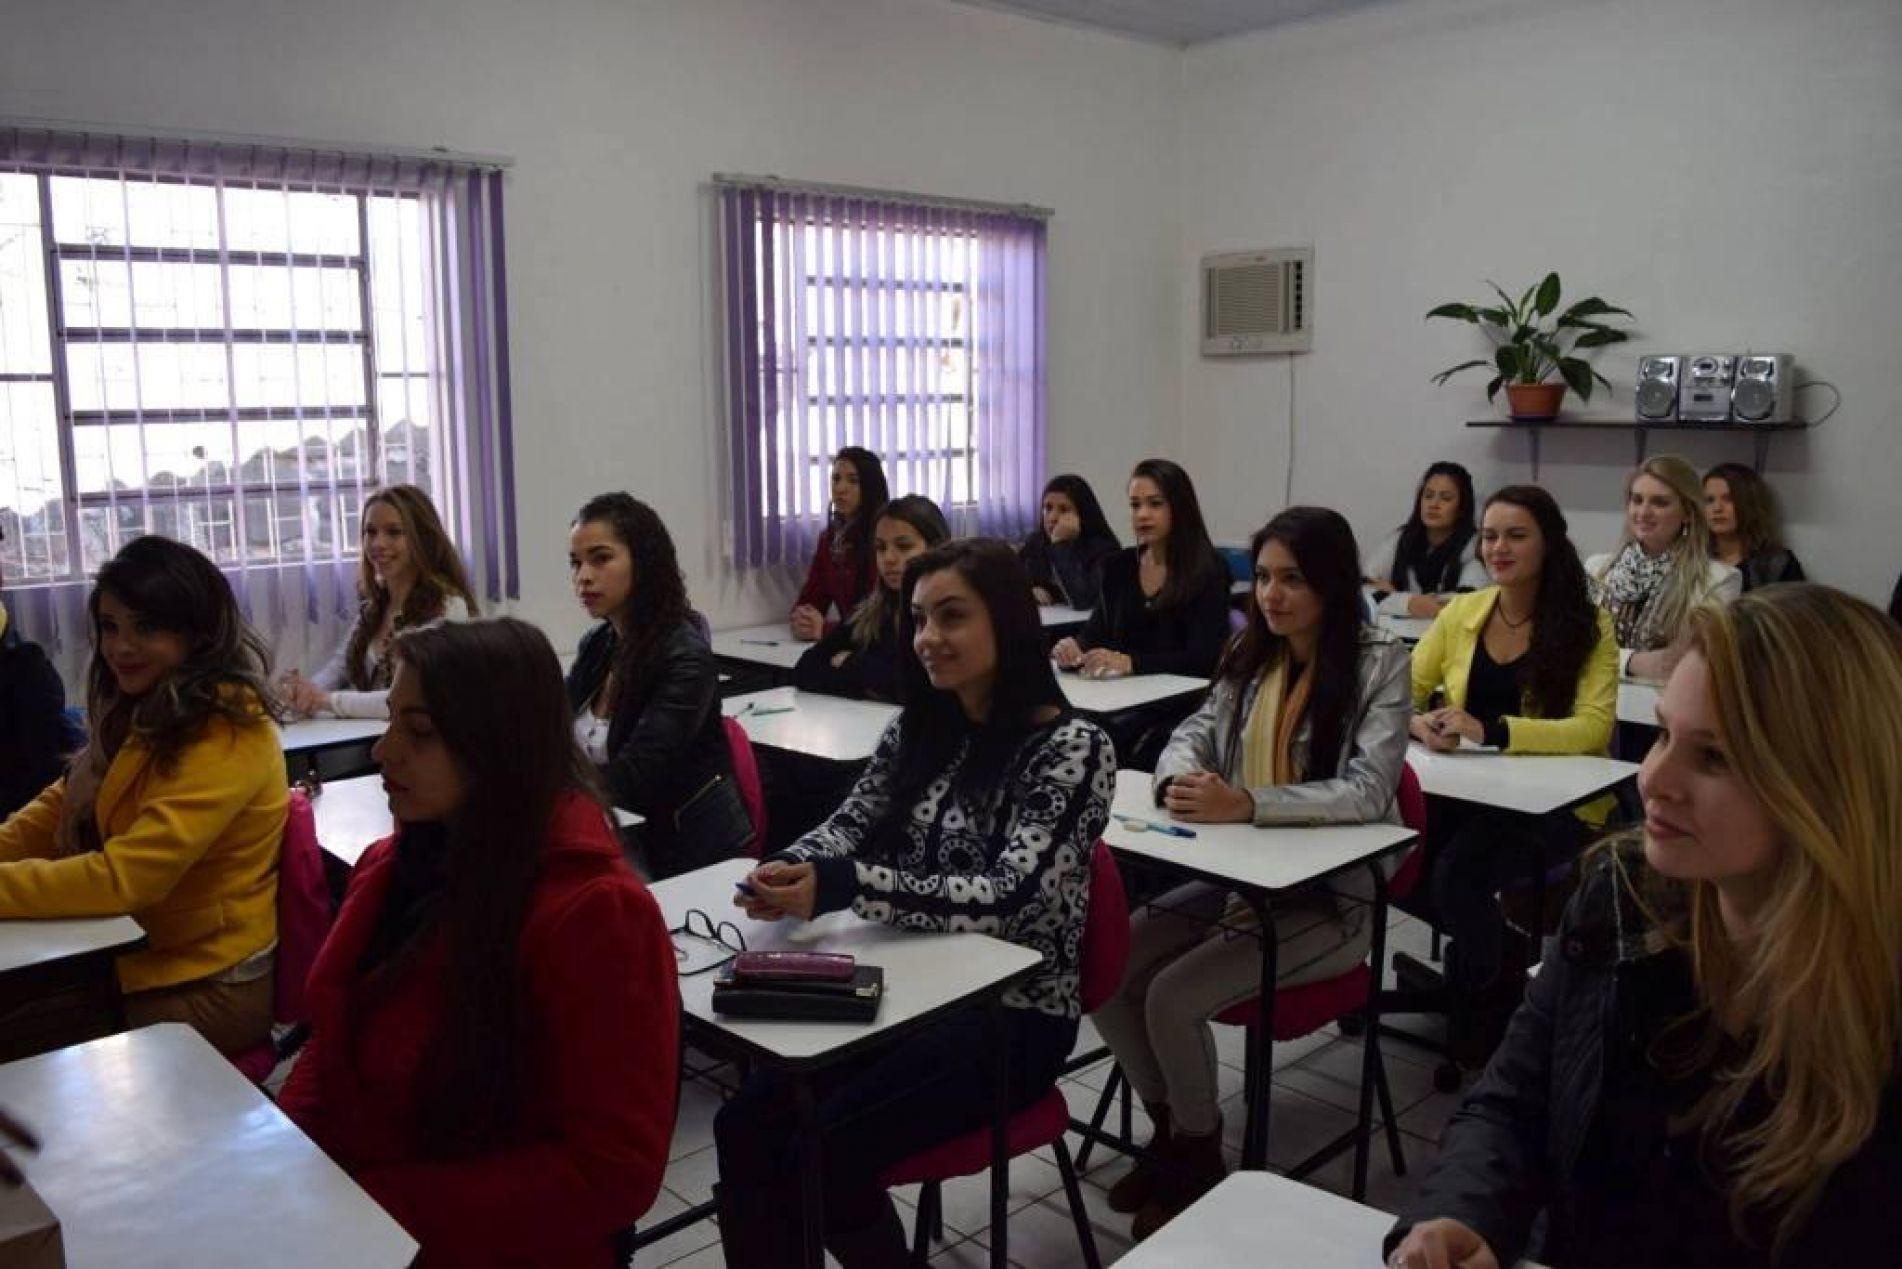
[(1030, 1129), (1307, 1008)]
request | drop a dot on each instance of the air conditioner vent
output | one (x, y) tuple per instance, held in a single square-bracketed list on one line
[(1257, 302)]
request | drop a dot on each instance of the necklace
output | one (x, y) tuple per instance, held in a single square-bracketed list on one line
[(1499, 611)]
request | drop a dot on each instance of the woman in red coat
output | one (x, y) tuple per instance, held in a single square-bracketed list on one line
[(495, 1017), (841, 572)]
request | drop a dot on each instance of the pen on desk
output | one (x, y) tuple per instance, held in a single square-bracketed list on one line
[(1154, 826), (762, 713), (763, 643)]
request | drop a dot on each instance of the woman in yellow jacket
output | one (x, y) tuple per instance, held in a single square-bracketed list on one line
[(1527, 665), (174, 811)]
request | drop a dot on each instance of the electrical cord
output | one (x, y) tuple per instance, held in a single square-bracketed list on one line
[(1287, 493), (1834, 406)]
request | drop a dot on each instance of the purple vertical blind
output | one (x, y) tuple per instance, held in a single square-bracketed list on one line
[(233, 343), (913, 329)]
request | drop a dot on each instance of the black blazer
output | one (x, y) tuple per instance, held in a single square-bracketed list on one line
[(665, 740), (868, 674), (1766, 567), (33, 732), (1185, 638), (1535, 1132), (1073, 571)]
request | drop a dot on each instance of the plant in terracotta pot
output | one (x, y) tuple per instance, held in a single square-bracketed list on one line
[(1532, 341)]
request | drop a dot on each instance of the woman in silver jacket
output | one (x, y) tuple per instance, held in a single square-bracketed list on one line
[(1306, 724)]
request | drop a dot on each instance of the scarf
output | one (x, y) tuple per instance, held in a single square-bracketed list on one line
[(1279, 709), (1627, 590)]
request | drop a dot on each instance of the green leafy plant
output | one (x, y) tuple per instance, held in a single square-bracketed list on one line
[(1530, 343)]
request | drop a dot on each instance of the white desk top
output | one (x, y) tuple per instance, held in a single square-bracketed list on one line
[(1531, 783), (1258, 1219), (817, 725), (1272, 859), (157, 1152), (772, 645), (26, 942), (1108, 696), (352, 815), (1240, 587), (307, 735), (1060, 615), (1637, 702), (924, 973)]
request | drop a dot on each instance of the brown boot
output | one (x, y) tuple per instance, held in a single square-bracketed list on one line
[(1192, 1168), (1138, 1185)]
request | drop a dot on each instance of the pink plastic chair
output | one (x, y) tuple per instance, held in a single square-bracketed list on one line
[(746, 776), (1105, 956), (304, 915)]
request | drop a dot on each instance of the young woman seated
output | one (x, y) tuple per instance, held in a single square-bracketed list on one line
[(34, 736), (410, 576), (859, 658), (978, 812), (1527, 665), (1742, 514), (1306, 724), (1705, 1072), (1662, 568), (1065, 552), (494, 1019), (841, 573), (645, 691), (173, 813), (1415, 569), (1164, 603)]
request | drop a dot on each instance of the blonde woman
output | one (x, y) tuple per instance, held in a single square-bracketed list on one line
[(410, 576), (1705, 1072), (1662, 568)]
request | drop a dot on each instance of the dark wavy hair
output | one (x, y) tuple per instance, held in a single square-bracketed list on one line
[(1754, 505), (932, 724), (1565, 621), (227, 666), (439, 576), (878, 611), (1413, 535), (874, 493), (1323, 545), (1190, 556), (513, 743), (1089, 512), (658, 600)]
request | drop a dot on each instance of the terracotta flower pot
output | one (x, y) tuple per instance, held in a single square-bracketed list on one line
[(1534, 402)]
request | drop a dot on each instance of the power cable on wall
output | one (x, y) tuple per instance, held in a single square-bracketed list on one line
[(1287, 493)]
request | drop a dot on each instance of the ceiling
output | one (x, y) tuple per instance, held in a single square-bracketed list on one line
[(1178, 22)]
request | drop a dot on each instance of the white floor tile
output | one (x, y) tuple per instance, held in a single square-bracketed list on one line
[(967, 1199), (694, 1238), (692, 1176), (693, 1124), (1042, 1235)]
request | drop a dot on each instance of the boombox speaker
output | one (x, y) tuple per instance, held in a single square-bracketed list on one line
[(1765, 391), (1657, 387)]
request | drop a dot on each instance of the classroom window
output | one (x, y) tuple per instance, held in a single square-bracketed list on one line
[(913, 330), (233, 367)]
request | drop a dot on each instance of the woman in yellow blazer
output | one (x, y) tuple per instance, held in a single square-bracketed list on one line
[(1527, 665), (174, 811)]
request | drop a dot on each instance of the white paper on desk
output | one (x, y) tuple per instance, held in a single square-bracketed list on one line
[(1468, 745)]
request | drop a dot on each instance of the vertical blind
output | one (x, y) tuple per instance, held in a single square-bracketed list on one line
[(233, 344), (914, 329)]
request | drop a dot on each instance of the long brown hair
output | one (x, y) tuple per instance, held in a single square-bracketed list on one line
[(1753, 505), (1808, 689), (439, 577), (877, 613), (513, 742), (658, 602), (227, 664)]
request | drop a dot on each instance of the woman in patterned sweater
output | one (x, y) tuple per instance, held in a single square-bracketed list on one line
[(978, 812)]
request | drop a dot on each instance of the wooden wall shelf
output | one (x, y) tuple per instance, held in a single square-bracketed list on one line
[(1641, 432)]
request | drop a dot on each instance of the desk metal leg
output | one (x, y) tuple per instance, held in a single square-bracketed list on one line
[(811, 1197), (1000, 1140), (1260, 1044)]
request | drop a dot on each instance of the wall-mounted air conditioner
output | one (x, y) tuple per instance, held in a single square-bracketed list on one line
[(1257, 302)]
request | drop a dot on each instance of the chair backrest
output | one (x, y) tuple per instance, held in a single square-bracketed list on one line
[(1414, 815), (1105, 933), (746, 776), (304, 913)]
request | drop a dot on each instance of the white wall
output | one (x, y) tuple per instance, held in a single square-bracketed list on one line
[(1730, 170), (616, 112)]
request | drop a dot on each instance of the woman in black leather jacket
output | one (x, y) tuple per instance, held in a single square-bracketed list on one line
[(645, 691), (1705, 1072)]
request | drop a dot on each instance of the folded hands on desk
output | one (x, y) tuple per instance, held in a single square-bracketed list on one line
[(778, 889), (1202, 797), (1441, 729)]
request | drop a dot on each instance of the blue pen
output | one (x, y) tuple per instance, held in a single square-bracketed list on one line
[(762, 643), (1141, 825)]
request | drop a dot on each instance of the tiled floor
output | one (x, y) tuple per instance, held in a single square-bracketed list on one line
[(1316, 1086)]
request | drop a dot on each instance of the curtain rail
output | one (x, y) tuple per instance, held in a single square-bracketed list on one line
[(434, 153), (737, 180)]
